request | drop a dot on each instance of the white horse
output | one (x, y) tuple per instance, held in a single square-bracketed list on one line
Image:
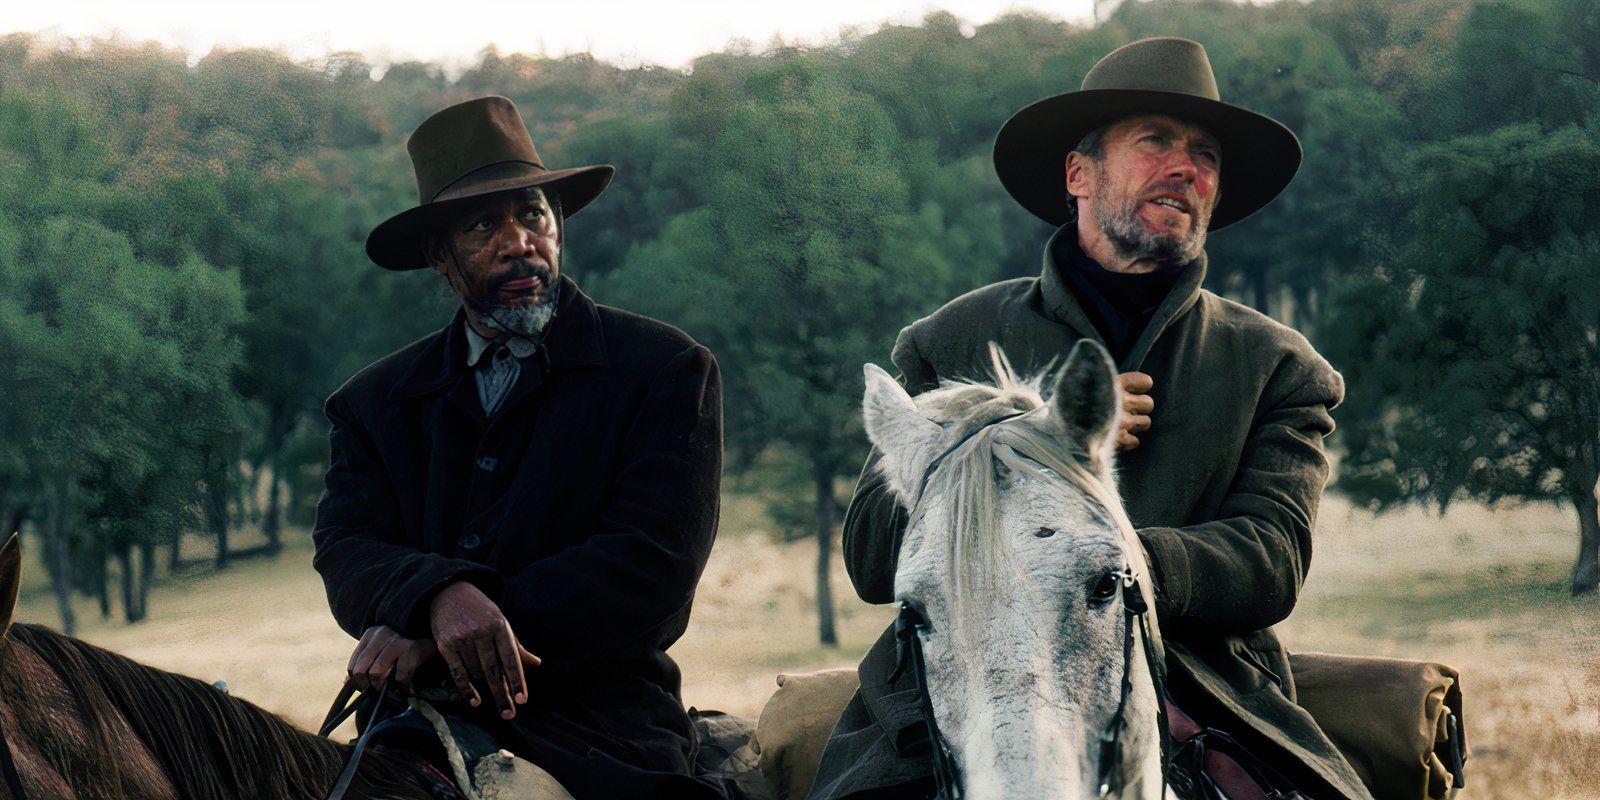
[(1019, 558)]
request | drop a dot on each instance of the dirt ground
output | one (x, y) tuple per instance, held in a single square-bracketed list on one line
[(1482, 590)]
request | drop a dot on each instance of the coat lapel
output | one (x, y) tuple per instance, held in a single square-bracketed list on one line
[(1059, 302), (441, 363), (1182, 298), (1062, 305), (575, 339), (439, 378)]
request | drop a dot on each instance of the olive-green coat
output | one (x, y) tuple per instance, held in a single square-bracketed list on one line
[(1223, 490)]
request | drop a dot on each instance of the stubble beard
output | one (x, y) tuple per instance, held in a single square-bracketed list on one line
[(1131, 239)]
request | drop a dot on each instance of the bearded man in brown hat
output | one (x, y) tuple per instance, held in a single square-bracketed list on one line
[(527, 496), (1221, 460)]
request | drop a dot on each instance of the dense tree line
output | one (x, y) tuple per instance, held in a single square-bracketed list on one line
[(182, 278)]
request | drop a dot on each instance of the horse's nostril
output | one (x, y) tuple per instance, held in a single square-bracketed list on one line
[(1044, 533)]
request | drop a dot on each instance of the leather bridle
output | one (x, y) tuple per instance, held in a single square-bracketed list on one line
[(1135, 611)]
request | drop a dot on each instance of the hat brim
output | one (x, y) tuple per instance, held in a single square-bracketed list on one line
[(397, 242), (1259, 155)]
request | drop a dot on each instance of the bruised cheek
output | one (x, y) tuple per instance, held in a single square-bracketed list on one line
[(549, 248), (1205, 185), (479, 261), (474, 251)]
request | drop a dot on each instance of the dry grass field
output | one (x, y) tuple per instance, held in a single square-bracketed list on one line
[(1482, 590)]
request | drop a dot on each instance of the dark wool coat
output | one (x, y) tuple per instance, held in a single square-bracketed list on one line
[(1223, 490), (585, 508)]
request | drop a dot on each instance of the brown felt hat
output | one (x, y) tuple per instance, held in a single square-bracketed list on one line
[(466, 151), (1160, 75)]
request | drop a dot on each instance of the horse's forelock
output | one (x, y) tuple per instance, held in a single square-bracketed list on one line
[(965, 405)]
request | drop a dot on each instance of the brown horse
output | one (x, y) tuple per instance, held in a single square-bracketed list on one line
[(87, 724)]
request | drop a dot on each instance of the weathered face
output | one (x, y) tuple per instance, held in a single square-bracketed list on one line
[(503, 256), (1152, 190), (1016, 568)]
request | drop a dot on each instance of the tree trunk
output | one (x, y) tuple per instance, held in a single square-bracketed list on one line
[(1310, 302), (176, 562), (1586, 572), (57, 555), (269, 525), (826, 508), (214, 499), (130, 604), (102, 592), (147, 573), (281, 420), (219, 529), (217, 517), (1260, 298)]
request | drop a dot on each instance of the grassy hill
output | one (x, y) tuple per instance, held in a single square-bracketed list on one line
[(1482, 590)]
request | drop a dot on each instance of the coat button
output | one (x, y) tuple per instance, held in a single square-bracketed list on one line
[(470, 541), (487, 463)]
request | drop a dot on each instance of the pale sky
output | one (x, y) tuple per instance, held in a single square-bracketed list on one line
[(629, 32)]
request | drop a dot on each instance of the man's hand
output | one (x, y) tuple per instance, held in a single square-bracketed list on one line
[(1136, 407), (478, 645), (383, 654)]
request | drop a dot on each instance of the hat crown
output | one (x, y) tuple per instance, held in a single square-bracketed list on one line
[(1161, 64), (467, 138), (1163, 75)]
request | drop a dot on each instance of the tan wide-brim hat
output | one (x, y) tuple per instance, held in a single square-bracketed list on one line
[(1161, 75), (466, 151)]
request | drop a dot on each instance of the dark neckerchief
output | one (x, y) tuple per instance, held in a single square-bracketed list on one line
[(1118, 304)]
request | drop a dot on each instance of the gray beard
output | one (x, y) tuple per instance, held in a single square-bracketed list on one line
[(1130, 239), (526, 321)]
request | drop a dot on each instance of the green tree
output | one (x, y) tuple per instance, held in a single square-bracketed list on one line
[(1473, 362), (808, 256), (112, 362)]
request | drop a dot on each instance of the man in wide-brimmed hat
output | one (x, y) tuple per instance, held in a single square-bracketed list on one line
[(1221, 461), (529, 494)]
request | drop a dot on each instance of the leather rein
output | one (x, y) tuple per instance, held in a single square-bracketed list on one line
[(344, 705), (911, 624)]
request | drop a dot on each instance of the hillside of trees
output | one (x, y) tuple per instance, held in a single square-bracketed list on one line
[(182, 279)]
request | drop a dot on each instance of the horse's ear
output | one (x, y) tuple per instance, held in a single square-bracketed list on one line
[(10, 580), (1085, 401), (904, 437)]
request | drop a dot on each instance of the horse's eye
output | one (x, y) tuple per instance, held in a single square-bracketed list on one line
[(1045, 533), (1104, 590)]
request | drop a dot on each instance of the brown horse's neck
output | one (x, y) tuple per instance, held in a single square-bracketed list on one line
[(104, 726)]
